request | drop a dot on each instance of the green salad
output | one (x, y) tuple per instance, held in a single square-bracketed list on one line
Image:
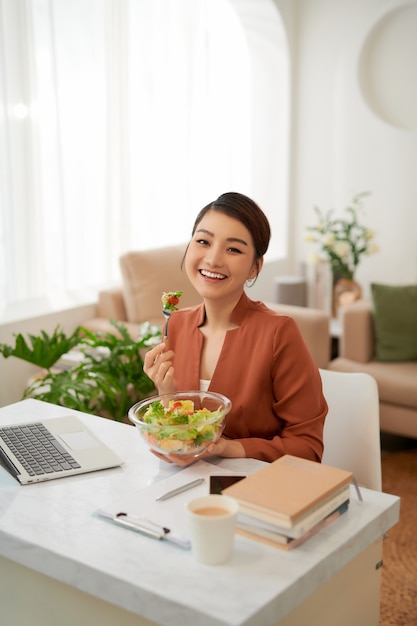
[(179, 428)]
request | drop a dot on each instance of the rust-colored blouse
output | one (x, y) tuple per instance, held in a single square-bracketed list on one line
[(266, 370)]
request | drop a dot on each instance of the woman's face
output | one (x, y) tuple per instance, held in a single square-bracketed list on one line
[(220, 257)]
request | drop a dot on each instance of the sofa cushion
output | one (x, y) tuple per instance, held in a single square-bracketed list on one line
[(396, 383), (395, 322), (148, 273)]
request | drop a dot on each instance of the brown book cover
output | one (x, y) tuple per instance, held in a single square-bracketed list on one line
[(288, 488)]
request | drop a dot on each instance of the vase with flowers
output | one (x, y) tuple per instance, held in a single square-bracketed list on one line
[(342, 241)]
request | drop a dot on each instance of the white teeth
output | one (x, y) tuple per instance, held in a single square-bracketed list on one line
[(212, 274)]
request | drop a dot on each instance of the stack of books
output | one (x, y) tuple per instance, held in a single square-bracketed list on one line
[(290, 500)]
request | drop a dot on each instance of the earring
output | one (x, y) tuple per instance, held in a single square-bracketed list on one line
[(251, 281)]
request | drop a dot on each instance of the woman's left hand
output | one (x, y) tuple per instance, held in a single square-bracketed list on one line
[(227, 448), (181, 459)]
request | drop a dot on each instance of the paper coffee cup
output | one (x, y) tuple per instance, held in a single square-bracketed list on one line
[(212, 522)]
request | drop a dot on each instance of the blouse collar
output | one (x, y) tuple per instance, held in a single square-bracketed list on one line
[(238, 312)]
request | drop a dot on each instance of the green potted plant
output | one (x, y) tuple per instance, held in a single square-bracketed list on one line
[(105, 380)]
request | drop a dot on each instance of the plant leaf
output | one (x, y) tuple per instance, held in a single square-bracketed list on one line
[(106, 382), (42, 350)]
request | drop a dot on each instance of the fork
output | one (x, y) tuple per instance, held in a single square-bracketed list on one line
[(167, 314)]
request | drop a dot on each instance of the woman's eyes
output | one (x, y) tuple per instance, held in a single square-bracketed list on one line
[(204, 242)]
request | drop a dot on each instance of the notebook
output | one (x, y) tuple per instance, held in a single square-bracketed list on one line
[(52, 448)]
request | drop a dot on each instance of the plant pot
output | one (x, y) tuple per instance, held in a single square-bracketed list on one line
[(345, 291)]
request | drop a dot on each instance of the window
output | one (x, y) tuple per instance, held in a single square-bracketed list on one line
[(121, 119)]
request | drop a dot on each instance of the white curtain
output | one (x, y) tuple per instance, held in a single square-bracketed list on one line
[(120, 119)]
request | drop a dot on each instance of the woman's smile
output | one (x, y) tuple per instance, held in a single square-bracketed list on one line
[(212, 275)]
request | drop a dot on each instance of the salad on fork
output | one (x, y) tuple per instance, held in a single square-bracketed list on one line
[(170, 300)]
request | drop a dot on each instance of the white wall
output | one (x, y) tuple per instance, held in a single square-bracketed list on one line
[(341, 145)]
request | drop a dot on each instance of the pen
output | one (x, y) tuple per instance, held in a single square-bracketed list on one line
[(174, 492)]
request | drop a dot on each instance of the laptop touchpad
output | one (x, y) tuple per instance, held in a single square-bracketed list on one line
[(79, 441)]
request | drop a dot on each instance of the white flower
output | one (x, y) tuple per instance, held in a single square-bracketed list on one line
[(150, 334), (342, 240), (328, 239), (342, 248)]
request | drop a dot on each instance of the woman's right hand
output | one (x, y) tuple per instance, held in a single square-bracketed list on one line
[(158, 366)]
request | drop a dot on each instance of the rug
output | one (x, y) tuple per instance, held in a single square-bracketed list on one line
[(399, 571)]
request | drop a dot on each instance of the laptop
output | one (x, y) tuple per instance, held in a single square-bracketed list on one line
[(52, 448)]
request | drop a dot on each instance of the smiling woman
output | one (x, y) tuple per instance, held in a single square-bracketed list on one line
[(117, 111), (238, 347)]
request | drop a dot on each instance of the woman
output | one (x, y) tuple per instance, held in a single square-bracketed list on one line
[(238, 347)]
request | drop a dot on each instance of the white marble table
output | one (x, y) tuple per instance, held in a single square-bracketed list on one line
[(55, 554)]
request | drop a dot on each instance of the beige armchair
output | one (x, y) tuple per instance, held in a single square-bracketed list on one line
[(146, 274), (396, 380)]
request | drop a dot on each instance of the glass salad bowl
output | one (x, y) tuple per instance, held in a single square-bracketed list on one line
[(185, 422)]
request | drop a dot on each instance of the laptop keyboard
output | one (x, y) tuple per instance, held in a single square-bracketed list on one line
[(37, 449)]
